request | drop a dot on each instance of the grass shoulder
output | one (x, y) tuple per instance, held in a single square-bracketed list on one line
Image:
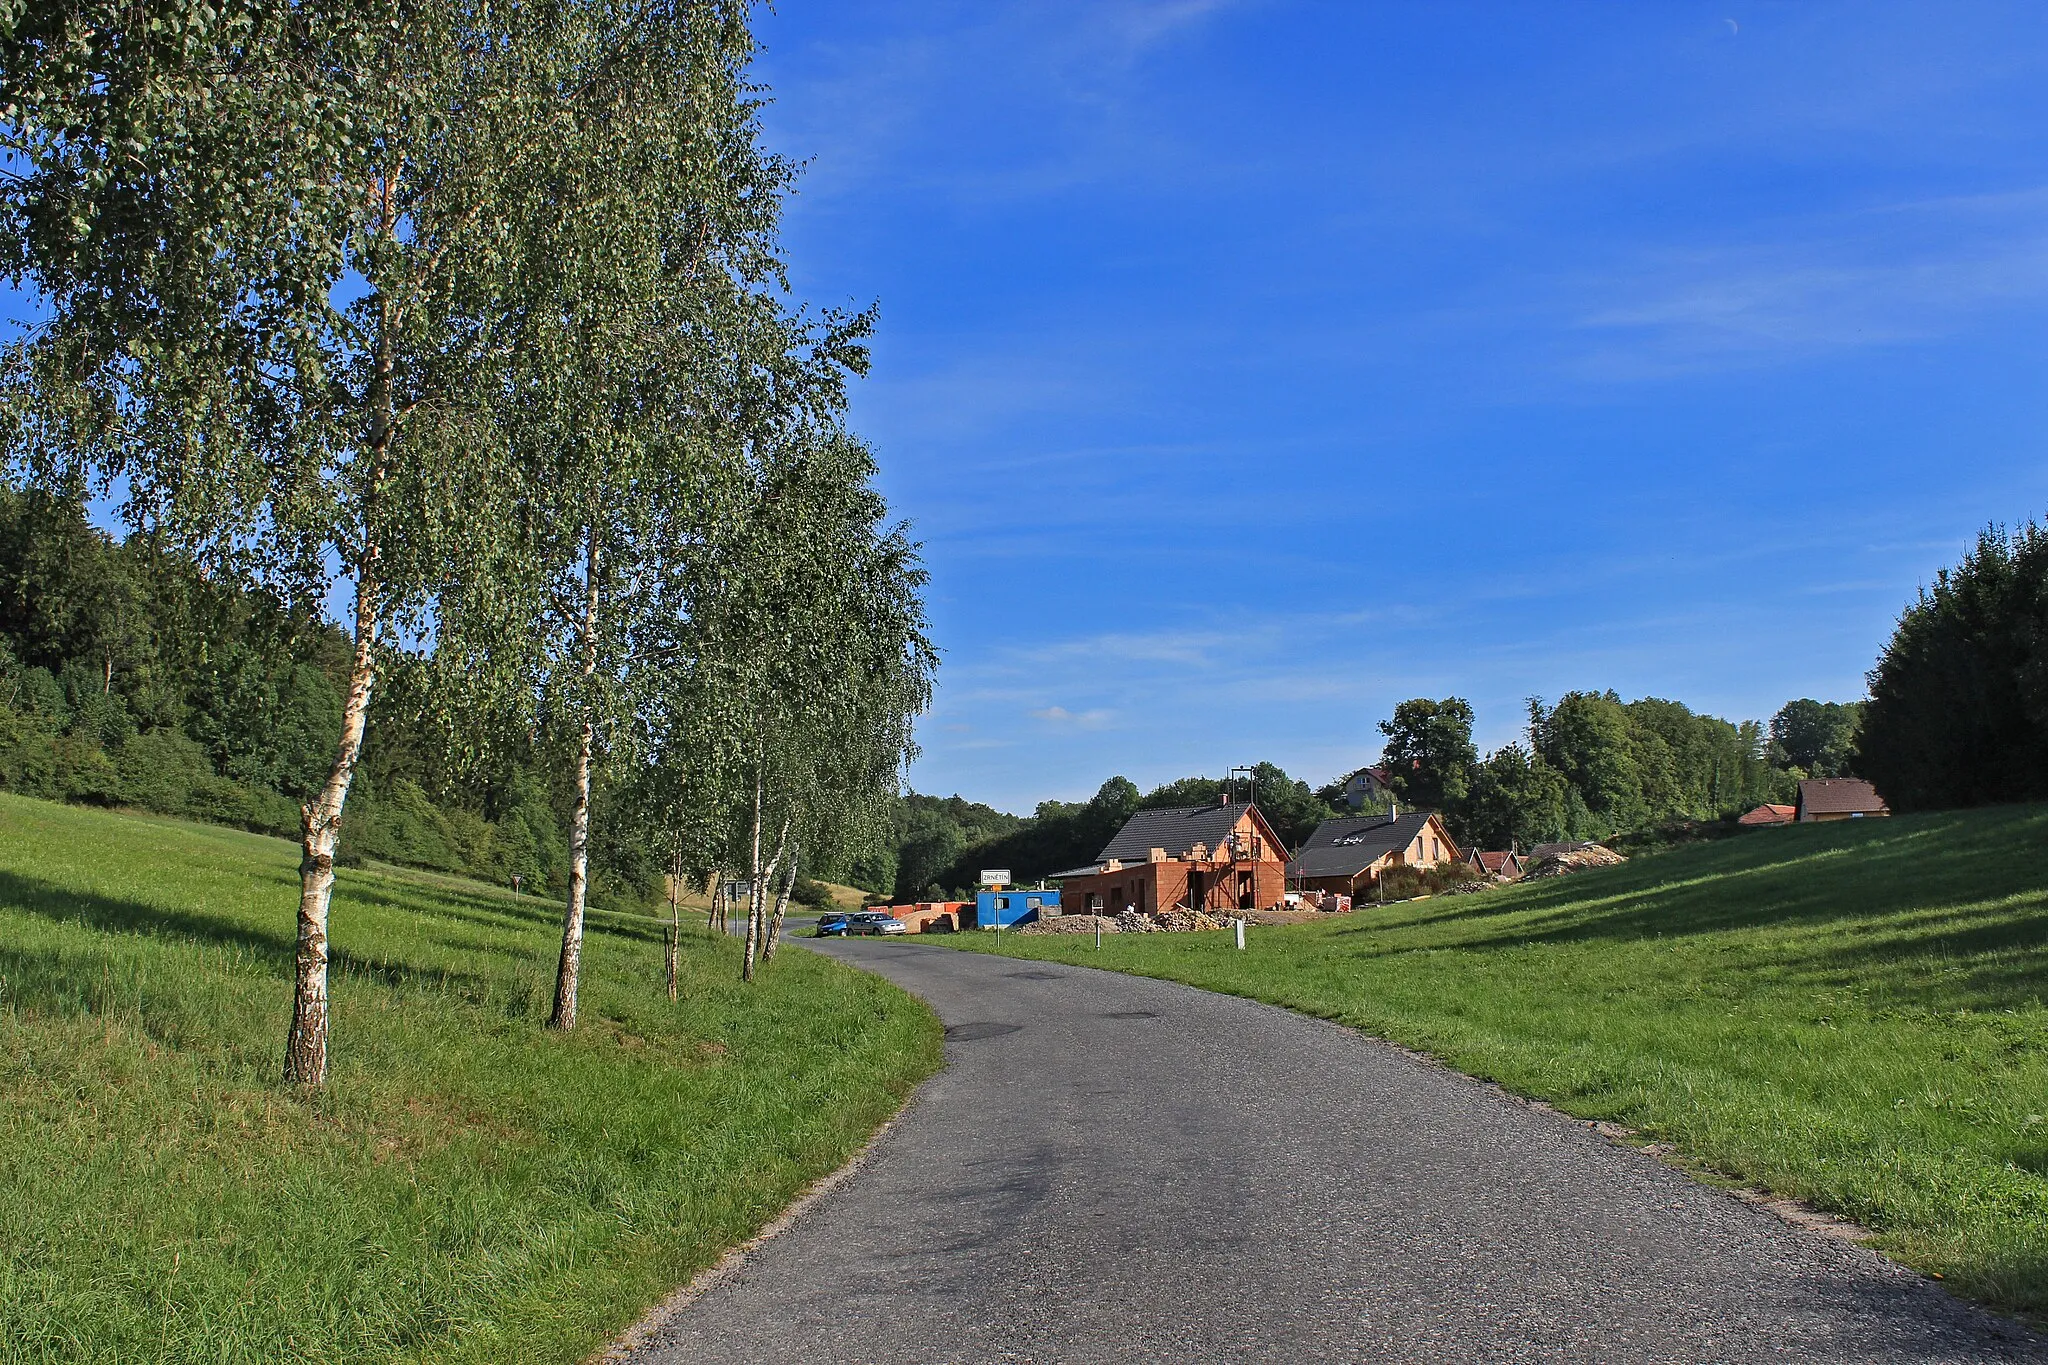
[(468, 1187), (1847, 1014)]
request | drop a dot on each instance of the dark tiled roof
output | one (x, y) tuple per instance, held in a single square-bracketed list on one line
[(1177, 829), (1839, 796), (1345, 848)]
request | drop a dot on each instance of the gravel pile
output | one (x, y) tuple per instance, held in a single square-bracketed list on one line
[(1070, 924), (1189, 921), (1575, 860)]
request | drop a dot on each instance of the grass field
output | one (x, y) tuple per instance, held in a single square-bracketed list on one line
[(1849, 1013), (469, 1187)]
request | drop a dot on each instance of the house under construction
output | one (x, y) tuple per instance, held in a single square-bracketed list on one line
[(1217, 858)]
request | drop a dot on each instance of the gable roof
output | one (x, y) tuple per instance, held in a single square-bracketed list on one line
[(1839, 796), (1770, 813), (1496, 862), (1346, 847), (1177, 829)]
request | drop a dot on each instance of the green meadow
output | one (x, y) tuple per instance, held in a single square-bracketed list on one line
[(468, 1187), (1851, 1014)]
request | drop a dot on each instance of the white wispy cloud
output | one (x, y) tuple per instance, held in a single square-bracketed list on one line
[(1095, 719), (1882, 276)]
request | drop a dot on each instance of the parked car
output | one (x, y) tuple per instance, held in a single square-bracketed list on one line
[(876, 922), (831, 926)]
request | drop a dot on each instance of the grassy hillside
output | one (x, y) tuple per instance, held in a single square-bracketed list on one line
[(468, 1188), (1849, 1013)]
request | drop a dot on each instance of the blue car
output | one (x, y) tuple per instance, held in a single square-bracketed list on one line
[(832, 926)]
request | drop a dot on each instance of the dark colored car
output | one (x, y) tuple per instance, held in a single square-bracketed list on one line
[(876, 922), (831, 926)]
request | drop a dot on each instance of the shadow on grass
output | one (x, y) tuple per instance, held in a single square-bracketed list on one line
[(498, 914), (1840, 900), (116, 916)]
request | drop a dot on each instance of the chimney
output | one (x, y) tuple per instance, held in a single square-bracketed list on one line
[(1226, 796), (1393, 808)]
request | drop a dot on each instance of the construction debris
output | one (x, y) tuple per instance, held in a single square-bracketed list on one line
[(1568, 861), (1070, 924)]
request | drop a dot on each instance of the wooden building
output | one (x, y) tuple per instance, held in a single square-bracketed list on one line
[(1504, 862), (1347, 855), (1216, 858), (1838, 798)]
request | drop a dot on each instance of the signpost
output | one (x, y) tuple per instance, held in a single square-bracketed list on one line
[(995, 878)]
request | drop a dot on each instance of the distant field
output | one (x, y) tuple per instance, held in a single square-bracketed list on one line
[(468, 1188), (1847, 1013)]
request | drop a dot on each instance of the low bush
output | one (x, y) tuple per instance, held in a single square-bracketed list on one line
[(1402, 883)]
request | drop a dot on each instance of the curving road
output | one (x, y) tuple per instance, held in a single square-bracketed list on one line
[(1116, 1169)]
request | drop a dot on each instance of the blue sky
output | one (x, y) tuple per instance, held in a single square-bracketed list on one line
[(1248, 367)]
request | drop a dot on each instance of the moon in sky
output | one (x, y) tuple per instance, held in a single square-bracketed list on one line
[(1733, 28)]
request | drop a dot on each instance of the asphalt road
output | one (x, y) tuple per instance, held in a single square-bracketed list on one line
[(1116, 1169)]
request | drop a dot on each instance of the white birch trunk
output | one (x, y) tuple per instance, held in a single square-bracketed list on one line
[(781, 905), (753, 887), (305, 1048), (672, 949), (569, 970)]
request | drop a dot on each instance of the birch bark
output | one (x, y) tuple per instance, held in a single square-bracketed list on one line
[(781, 905), (305, 1050), (569, 970), (672, 948), (305, 1047)]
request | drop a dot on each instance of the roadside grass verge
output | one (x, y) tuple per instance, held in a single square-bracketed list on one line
[(468, 1187), (1850, 1014)]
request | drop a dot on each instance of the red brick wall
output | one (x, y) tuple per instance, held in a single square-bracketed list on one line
[(1153, 887)]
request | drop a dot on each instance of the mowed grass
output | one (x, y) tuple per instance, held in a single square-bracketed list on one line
[(468, 1187), (1848, 1013)]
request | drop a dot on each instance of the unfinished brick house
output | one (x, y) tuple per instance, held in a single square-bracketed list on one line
[(1347, 856), (1217, 858)]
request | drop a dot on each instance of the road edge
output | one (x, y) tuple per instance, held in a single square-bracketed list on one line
[(622, 1347)]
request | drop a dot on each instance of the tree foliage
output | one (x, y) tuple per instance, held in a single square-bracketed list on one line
[(480, 315), (1429, 754), (1816, 737), (1958, 710)]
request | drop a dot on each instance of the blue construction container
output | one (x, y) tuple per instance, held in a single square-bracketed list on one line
[(1012, 907)]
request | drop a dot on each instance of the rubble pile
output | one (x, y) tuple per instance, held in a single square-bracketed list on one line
[(1069, 924), (1575, 860), (1189, 921), (1131, 922)]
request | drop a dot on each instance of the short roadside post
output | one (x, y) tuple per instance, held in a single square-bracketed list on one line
[(993, 880), (1240, 935)]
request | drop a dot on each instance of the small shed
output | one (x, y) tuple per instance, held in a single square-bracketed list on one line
[(1838, 798), (1768, 814), (1500, 863)]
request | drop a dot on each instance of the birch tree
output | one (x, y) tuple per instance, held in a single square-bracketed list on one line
[(812, 661), (653, 341), (265, 245)]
